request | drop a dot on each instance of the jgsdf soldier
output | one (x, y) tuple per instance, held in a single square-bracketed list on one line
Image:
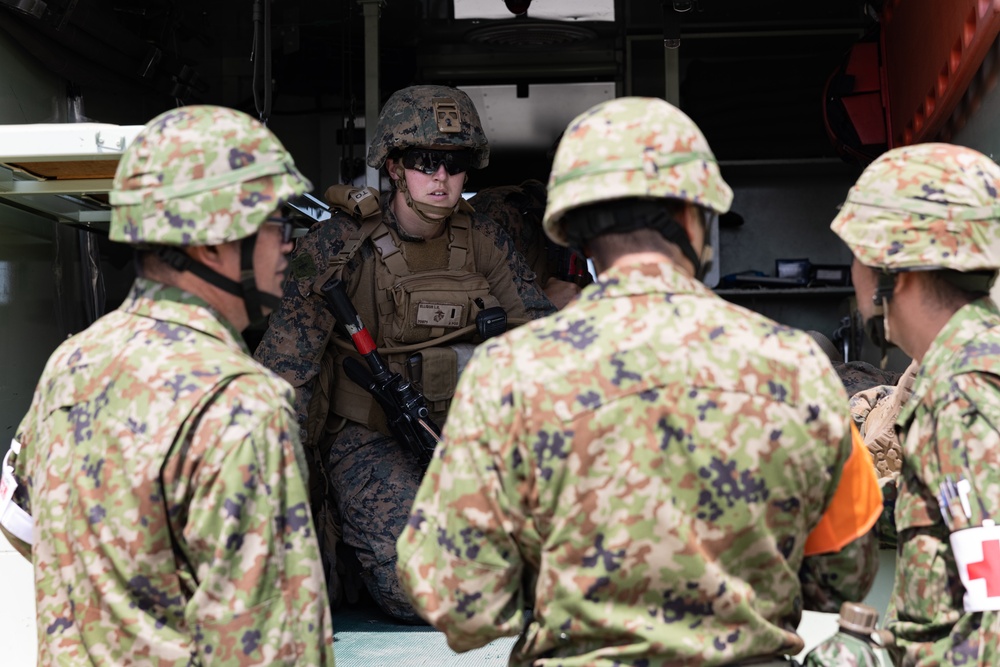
[(924, 226), (642, 469), (418, 270), (160, 463)]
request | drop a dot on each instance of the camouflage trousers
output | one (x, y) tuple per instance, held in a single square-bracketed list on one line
[(373, 481)]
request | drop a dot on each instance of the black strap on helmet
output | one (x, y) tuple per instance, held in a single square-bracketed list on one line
[(875, 325), (619, 217), (246, 288)]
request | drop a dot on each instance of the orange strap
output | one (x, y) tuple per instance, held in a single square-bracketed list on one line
[(856, 504)]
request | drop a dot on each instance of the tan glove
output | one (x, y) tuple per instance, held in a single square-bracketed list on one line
[(879, 428)]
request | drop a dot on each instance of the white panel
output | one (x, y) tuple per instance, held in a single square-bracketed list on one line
[(49, 141), (511, 122), (558, 10)]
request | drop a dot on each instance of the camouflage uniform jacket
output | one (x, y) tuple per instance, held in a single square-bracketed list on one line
[(950, 425), (642, 468), (842, 650), (518, 209), (299, 330), (160, 463)]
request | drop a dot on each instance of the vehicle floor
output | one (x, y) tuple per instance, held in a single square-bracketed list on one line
[(363, 636)]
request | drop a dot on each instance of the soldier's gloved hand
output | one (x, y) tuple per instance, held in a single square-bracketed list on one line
[(879, 429)]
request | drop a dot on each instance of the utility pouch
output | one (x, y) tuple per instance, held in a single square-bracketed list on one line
[(356, 202), (440, 369), (430, 304), (319, 418)]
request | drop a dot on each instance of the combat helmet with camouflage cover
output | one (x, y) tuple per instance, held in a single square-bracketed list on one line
[(427, 127), (203, 175), (633, 147), (431, 117), (925, 207), (200, 175)]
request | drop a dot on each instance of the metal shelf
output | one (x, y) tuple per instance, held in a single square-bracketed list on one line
[(781, 292)]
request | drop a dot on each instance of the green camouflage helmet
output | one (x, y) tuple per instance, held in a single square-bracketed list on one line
[(200, 175), (924, 207), (632, 147), (430, 116)]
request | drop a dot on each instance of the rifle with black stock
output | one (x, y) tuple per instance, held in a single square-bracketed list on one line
[(405, 408)]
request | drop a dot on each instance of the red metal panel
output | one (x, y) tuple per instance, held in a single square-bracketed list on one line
[(865, 112), (931, 51)]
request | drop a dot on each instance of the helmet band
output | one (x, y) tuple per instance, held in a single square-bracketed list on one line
[(244, 174), (940, 210), (647, 165)]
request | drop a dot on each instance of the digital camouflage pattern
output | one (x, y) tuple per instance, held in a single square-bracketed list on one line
[(518, 209), (430, 116), (200, 175), (299, 330), (951, 426), (632, 147), (162, 467), (925, 206), (373, 479), (642, 469), (843, 650)]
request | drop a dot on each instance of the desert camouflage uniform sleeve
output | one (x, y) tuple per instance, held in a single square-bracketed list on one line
[(298, 331), (456, 559), (260, 595), (511, 279)]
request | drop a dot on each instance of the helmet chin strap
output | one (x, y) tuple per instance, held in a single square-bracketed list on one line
[(678, 236), (877, 326), (253, 299), (422, 210), (706, 262)]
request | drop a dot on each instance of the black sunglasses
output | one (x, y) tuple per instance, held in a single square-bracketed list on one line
[(288, 224), (428, 160)]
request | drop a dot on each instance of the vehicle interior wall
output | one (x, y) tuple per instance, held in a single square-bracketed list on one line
[(752, 79), (753, 84), (31, 321)]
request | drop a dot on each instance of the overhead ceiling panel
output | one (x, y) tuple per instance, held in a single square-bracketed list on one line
[(61, 170), (533, 122), (556, 10)]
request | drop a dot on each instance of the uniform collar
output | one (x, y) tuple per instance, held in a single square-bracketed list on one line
[(149, 298), (959, 345), (659, 278)]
